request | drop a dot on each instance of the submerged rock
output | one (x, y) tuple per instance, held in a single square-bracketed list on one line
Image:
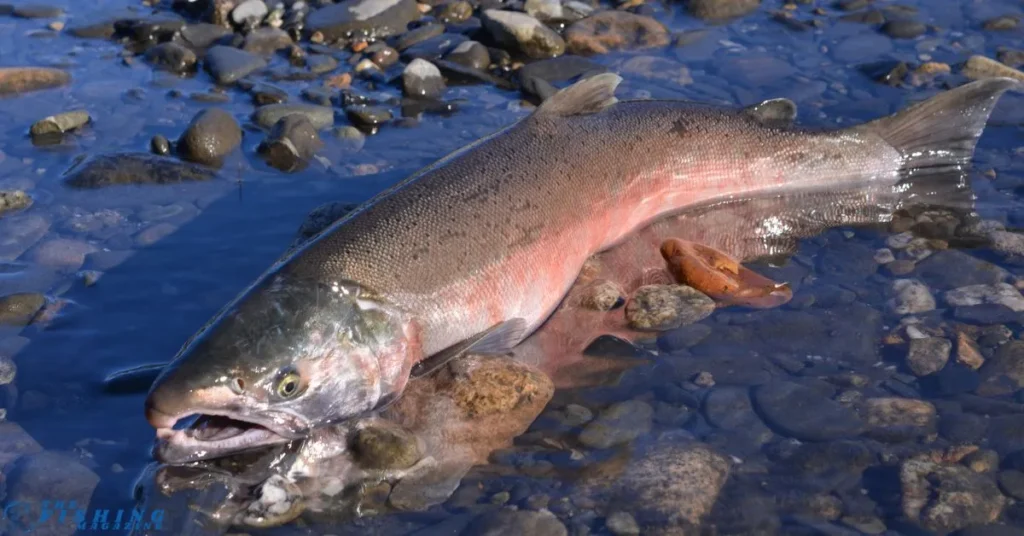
[(363, 18), (13, 200), (38, 479), (134, 168), (619, 424), (211, 136), (999, 293), (945, 498), (16, 80), (173, 57), (928, 355), (665, 307), (19, 309), (719, 10), (292, 142), (804, 413), (505, 521), (615, 30), (228, 64), (320, 117), (898, 419), (422, 79), (521, 31)]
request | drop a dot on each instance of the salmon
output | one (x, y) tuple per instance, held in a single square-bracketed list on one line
[(474, 252)]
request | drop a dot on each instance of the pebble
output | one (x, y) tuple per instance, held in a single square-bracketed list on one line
[(544, 10), (1012, 483), (249, 12), (904, 29), (716, 10), (521, 31), (19, 309), (367, 116), (173, 57), (422, 79), (664, 307), (291, 143), (884, 256), (266, 41), (211, 136), (928, 355), (619, 424), (228, 64), (456, 12), (1011, 57), (17, 80), (622, 524), (576, 415), (730, 408), (385, 57), (962, 427), (160, 145), (603, 32), (267, 116), (911, 297), (352, 136), (13, 200), (978, 67), (470, 54), (372, 18), (683, 337), (8, 370), (419, 35), (804, 413)]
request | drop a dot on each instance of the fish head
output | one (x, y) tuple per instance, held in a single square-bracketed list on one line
[(289, 355)]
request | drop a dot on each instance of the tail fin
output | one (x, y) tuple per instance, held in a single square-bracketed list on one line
[(941, 132)]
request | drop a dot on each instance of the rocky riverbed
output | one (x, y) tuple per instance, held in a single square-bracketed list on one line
[(156, 156)]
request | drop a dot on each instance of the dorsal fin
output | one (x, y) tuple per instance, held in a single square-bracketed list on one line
[(588, 96), (773, 112)]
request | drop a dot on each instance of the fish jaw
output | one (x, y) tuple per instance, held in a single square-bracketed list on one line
[(287, 357)]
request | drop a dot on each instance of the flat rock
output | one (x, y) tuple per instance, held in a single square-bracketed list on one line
[(228, 64), (134, 168), (803, 413), (321, 117), (364, 18), (17, 80)]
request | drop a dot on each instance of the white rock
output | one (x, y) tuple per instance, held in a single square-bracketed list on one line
[(911, 296)]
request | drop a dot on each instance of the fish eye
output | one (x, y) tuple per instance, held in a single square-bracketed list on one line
[(288, 385)]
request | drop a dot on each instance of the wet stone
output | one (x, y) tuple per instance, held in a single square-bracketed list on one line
[(210, 137), (904, 29), (911, 297), (683, 337), (505, 521), (422, 79), (730, 408), (17, 80), (986, 314), (228, 64), (544, 10), (619, 424), (320, 116), (622, 524), (19, 309), (603, 295), (722, 9), (928, 355), (203, 35), (419, 35), (1005, 22), (898, 419), (615, 30), (664, 307), (962, 427), (369, 18), (98, 30), (946, 498), (470, 54), (982, 461), (1012, 483), (160, 145), (519, 30), (266, 41), (1003, 373), (804, 413), (12, 200), (249, 12), (134, 168), (62, 253), (387, 447), (1000, 293), (171, 56), (1011, 57), (540, 78), (291, 143)]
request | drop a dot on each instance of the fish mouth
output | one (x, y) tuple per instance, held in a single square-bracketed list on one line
[(215, 434)]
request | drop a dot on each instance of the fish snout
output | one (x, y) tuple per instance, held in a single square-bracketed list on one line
[(158, 418)]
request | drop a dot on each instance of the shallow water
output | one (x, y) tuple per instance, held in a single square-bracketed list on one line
[(212, 239)]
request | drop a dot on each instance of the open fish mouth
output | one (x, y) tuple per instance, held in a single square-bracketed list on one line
[(205, 436)]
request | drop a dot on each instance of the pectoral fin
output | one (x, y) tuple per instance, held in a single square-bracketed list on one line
[(497, 339), (722, 277)]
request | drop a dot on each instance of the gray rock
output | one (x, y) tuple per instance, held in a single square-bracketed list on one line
[(926, 356), (683, 337), (249, 12), (722, 9), (371, 18), (575, 415), (211, 136), (1006, 242), (291, 143), (422, 79), (730, 408), (202, 35), (544, 10), (470, 54), (804, 413), (35, 480), (266, 41), (978, 67), (911, 297), (368, 116), (320, 116), (173, 57), (904, 29), (419, 35), (321, 64), (1003, 373), (95, 30), (945, 498), (13, 200), (999, 293), (134, 168), (506, 522), (617, 425), (622, 524), (18, 232), (519, 30), (456, 12), (664, 307), (986, 314), (19, 309), (228, 64), (434, 48)]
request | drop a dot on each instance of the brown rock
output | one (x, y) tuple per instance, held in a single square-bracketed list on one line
[(615, 30), (967, 352), (898, 418), (15, 80)]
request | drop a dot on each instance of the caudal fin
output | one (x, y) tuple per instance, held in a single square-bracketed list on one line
[(941, 132)]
